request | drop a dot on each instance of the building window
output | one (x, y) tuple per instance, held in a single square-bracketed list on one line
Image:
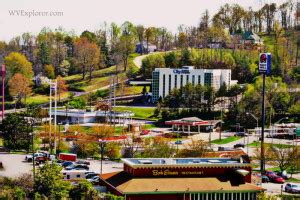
[(199, 79), (187, 79), (208, 79), (176, 81), (164, 85), (181, 80), (170, 83), (155, 86), (193, 79)]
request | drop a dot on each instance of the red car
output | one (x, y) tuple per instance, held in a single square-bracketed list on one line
[(274, 178)]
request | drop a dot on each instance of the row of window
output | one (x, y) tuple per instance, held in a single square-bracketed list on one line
[(223, 196), (207, 81)]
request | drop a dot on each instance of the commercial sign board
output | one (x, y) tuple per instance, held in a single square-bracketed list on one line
[(265, 63), (181, 71)]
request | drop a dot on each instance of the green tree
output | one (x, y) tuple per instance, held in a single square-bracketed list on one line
[(125, 46), (113, 150), (83, 190), (150, 63), (171, 60), (15, 132), (157, 147), (49, 71), (18, 63), (44, 53), (49, 182)]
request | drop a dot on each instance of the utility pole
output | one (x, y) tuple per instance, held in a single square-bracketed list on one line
[(53, 86), (3, 73)]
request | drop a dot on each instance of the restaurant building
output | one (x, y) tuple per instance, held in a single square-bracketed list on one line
[(183, 179)]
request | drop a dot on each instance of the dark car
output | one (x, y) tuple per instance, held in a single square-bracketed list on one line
[(178, 142), (83, 162), (91, 175), (67, 164), (265, 179), (239, 145), (240, 134), (77, 167), (292, 188)]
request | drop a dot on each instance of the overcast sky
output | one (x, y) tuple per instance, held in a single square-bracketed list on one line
[(80, 15)]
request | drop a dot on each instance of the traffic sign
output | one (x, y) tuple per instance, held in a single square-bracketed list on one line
[(265, 63)]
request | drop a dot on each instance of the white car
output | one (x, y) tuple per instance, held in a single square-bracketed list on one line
[(292, 188), (94, 180), (28, 157)]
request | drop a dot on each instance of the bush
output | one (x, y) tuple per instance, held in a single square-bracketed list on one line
[(78, 103)]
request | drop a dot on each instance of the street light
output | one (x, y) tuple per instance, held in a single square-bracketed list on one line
[(247, 113), (281, 120), (102, 144)]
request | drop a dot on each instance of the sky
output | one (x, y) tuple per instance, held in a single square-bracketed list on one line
[(80, 15)]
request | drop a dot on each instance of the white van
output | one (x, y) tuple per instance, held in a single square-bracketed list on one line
[(73, 174)]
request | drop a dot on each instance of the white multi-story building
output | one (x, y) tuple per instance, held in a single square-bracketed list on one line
[(166, 79)]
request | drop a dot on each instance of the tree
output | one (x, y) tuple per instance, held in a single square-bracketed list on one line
[(150, 63), (64, 67), (157, 147), (125, 47), (141, 34), (49, 71), (103, 131), (15, 132), (18, 63), (149, 35), (194, 149), (49, 182), (86, 149), (83, 190), (87, 55), (61, 86), (113, 150), (44, 53), (171, 60), (284, 157), (19, 86)]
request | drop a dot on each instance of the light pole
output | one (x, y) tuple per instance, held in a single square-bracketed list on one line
[(281, 120), (33, 161), (247, 113), (102, 144), (3, 73), (58, 148)]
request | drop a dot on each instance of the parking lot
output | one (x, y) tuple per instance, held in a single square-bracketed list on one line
[(15, 165)]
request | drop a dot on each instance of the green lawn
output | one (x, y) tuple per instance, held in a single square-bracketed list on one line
[(100, 78), (257, 144), (1, 142), (140, 113), (226, 140)]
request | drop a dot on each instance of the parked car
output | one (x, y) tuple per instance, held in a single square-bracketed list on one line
[(91, 175), (282, 174), (292, 188), (67, 164), (240, 134), (29, 157), (274, 177), (94, 180), (239, 145), (77, 167), (265, 179), (178, 142), (83, 162)]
